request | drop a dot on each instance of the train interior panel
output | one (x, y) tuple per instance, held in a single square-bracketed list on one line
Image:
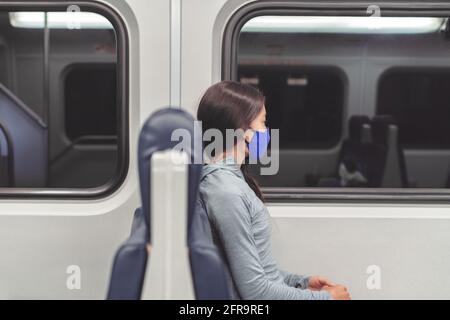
[(97, 202)]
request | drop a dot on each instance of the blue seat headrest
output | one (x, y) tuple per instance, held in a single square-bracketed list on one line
[(157, 134)]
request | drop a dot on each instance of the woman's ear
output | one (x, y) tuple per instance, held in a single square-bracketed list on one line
[(248, 135)]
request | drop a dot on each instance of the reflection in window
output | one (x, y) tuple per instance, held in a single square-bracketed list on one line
[(340, 25), (59, 20), (418, 98), (59, 102), (306, 104), (361, 102), (90, 108)]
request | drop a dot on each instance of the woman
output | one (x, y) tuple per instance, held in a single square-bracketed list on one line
[(234, 203)]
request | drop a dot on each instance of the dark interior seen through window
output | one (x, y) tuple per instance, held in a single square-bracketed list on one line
[(360, 102), (306, 104), (90, 106), (419, 100)]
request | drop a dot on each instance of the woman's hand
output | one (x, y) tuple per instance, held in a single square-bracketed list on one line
[(317, 283), (338, 292)]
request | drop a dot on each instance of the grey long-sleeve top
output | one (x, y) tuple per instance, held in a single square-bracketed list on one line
[(240, 223)]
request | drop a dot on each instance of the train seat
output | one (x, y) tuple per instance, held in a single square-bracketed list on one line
[(5, 159), (352, 142), (360, 154), (358, 135), (386, 133), (130, 262), (27, 135), (360, 161), (210, 273), (129, 266)]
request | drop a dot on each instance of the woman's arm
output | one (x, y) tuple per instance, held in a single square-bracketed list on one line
[(231, 222), (295, 280), (315, 283)]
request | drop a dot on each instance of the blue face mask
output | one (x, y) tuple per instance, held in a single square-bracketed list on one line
[(257, 147)]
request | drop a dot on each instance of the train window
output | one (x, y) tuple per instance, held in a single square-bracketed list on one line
[(360, 101), (62, 100), (418, 99)]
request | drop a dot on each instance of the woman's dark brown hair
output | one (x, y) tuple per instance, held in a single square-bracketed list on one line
[(231, 105)]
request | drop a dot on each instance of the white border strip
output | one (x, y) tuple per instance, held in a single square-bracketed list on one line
[(339, 211), (175, 53)]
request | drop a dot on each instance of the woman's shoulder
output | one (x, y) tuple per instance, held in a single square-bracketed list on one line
[(222, 177), (225, 187)]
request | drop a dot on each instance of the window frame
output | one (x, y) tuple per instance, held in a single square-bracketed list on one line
[(229, 45), (122, 40)]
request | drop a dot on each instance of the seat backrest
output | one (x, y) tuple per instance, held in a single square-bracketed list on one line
[(158, 135), (351, 150), (210, 273), (128, 272), (360, 154), (28, 135), (355, 127), (6, 173), (355, 133), (130, 262), (386, 133)]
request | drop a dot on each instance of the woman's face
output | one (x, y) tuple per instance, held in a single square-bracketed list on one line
[(259, 124)]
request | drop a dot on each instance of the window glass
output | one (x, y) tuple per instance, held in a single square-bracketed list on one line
[(60, 106), (418, 98), (313, 96), (360, 102), (90, 108)]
